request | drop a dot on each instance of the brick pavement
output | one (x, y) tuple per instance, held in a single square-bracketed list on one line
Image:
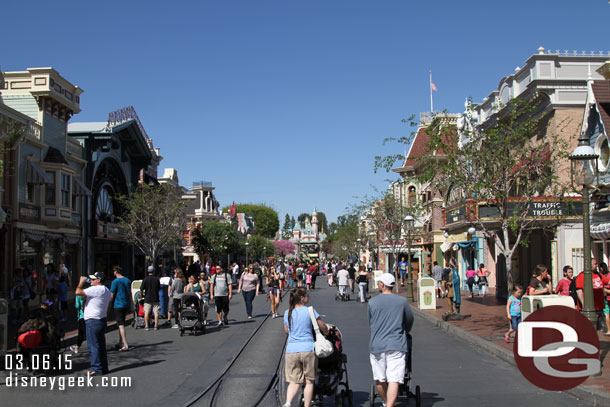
[(487, 320)]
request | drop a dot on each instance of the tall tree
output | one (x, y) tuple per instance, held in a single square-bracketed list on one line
[(322, 222), (284, 248), (216, 239), (152, 218), (286, 229), (302, 218), (509, 165), (266, 220), (259, 247)]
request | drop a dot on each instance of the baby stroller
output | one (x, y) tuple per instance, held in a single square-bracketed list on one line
[(191, 314), (138, 314), (405, 389), (340, 296), (40, 335), (332, 374)]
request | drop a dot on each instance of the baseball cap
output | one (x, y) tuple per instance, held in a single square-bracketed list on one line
[(97, 276), (151, 269), (387, 279)]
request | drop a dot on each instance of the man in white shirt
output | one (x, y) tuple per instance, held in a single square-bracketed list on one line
[(343, 280), (97, 298)]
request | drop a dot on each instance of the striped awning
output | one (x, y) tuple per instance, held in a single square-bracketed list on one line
[(78, 188), (36, 175), (600, 231)]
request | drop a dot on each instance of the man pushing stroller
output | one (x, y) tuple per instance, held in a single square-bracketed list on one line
[(390, 320)]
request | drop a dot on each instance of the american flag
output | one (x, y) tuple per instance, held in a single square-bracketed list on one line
[(433, 86)]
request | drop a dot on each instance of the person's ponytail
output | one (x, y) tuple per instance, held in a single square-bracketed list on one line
[(296, 297)]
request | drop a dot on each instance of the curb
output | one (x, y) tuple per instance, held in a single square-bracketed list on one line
[(597, 397)]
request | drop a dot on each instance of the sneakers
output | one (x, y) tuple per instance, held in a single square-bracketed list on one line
[(175, 326), (226, 321), (506, 339), (147, 329), (74, 349), (220, 323), (156, 328)]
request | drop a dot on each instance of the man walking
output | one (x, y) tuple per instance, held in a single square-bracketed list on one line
[(120, 292), (150, 292), (221, 292), (437, 274), (352, 276), (97, 298), (402, 269), (390, 320)]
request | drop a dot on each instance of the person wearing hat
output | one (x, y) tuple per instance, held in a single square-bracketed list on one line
[(150, 292), (390, 320), (97, 298)]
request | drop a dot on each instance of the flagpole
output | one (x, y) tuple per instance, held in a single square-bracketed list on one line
[(431, 100)]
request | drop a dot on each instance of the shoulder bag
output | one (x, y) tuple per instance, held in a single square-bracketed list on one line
[(322, 346)]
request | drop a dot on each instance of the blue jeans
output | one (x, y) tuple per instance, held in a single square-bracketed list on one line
[(248, 298), (163, 300), (96, 342)]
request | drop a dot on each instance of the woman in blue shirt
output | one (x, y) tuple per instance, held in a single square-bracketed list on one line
[(301, 362)]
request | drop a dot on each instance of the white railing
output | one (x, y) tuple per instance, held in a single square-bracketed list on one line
[(34, 129)]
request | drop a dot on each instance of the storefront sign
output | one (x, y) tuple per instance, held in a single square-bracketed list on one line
[(536, 210), (455, 215)]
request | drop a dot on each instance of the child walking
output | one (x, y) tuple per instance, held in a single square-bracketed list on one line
[(513, 311)]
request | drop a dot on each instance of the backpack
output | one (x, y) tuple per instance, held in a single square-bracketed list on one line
[(573, 291)]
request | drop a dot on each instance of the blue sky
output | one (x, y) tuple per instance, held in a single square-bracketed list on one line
[(286, 102)]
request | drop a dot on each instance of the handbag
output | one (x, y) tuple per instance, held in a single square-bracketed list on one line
[(322, 346)]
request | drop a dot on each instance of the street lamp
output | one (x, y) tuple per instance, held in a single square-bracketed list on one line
[(247, 244), (581, 175), (409, 223), (371, 247)]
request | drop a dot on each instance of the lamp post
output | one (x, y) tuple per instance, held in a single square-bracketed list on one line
[(583, 176), (409, 223), (247, 244), (358, 242), (371, 248)]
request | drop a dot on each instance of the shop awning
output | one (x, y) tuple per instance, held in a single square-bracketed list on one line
[(79, 188), (36, 175), (445, 247), (600, 231)]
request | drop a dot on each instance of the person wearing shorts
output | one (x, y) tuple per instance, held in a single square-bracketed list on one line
[(120, 292), (300, 359), (221, 292), (150, 292), (390, 320)]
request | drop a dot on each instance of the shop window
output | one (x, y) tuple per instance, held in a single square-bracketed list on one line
[(50, 189), (412, 196), (65, 190), (30, 192)]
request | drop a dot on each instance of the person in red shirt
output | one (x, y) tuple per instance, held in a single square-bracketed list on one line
[(563, 286), (598, 290)]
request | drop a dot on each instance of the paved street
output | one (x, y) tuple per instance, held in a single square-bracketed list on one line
[(169, 370)]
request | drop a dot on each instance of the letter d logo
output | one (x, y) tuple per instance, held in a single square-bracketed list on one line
[(526, 339)]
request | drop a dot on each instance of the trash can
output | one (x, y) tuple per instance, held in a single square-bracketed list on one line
[(426, 293), (531, 303)]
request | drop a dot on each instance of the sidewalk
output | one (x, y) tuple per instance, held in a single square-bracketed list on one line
[(485, 326)]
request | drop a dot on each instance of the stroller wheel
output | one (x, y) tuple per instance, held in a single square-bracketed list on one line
[(372, 395), (417, 396)]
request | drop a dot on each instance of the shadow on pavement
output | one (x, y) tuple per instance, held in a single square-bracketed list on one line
[(136, 365)]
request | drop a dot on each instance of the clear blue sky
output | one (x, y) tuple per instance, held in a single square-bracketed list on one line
[(286, 102)]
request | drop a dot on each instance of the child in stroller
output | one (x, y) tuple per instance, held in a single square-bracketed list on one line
[(332, 373), (40, 335), (191, 314)]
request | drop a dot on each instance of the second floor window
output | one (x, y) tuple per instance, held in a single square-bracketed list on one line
[(65, 190), (412, 196), (50, 189)]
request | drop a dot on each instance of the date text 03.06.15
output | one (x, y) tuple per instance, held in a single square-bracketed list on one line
[(19, 362)]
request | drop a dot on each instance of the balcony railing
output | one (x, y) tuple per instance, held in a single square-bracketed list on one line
[(34, 129)]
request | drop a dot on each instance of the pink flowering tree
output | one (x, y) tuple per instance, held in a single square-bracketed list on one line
[(284, 247)]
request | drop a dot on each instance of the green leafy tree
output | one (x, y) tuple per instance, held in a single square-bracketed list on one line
[(215, 239), (293, 222), (286, 229), (259, 247), (266, 220), (508, 163), (152, 218), (322, 222), (302, 218)]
